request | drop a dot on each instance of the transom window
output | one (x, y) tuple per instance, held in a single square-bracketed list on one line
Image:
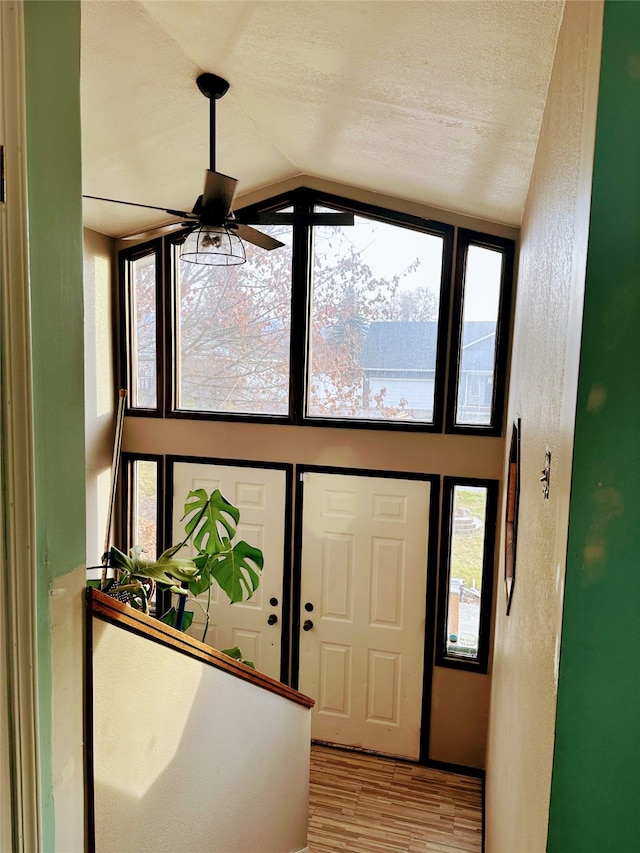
[(342, 326)]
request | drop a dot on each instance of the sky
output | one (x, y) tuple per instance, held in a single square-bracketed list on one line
[(389, 250)]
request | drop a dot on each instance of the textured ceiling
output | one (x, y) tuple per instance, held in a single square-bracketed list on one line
[(435, 101)]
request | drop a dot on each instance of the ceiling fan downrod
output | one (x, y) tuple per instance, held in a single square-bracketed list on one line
[(212, 87)]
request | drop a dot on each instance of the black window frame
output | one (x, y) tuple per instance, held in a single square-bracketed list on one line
[(465, 239), (129, 458), (455, 243), (443, 657), (128, 461), (411, 223), (304, 200), (171, 244), (126, 257)]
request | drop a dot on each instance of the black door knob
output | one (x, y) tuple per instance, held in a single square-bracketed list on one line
[(272, 619), (308, 625)]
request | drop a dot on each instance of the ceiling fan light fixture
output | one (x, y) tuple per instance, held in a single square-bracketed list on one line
[(213, 245)]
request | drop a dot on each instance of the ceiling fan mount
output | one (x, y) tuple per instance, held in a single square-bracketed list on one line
[(213, 209), (211, 85)]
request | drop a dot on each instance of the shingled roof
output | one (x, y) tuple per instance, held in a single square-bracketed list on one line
[(407, 345)]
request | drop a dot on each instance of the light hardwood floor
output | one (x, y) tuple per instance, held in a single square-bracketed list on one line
[(365, 804)]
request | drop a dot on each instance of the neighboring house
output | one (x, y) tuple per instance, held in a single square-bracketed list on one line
[(475, 382), (398, 361)]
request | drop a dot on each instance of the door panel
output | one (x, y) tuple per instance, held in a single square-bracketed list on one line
[(260, 495), (363, 581)]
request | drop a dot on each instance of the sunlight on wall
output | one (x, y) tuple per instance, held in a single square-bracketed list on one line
[(102, 319), (99, 387), (153, 737), (190, 757), (103, 498)]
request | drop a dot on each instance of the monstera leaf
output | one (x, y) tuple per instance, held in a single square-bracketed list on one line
[(235, 569), (205, 579), (210, 525), (165, 571), (171, 618), (236, 654), (211, 520)]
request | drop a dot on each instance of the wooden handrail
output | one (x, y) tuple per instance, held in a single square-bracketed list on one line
[(104, 607)]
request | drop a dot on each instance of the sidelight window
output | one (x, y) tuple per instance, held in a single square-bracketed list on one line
[(466, 578), (143, 511)]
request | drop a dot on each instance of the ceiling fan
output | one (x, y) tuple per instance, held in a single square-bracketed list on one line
[(213, 233)]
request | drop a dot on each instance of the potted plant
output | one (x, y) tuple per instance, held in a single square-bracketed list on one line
[(210, 527)]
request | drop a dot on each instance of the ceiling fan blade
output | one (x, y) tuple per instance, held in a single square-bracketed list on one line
[(251, 235), (152, 233), (275, 218), (168, 210), (217, 197)]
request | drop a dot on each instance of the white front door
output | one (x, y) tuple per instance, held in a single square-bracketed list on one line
[(362, 616), (260, 495)]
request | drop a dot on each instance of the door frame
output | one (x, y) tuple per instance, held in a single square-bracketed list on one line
[(20, 766), (287, 469), (432, 578)]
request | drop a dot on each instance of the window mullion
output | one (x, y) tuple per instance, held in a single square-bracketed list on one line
[(300, 300)]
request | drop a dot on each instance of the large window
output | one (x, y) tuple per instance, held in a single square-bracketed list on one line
[(374, 327), (344, 325), (233, 332)]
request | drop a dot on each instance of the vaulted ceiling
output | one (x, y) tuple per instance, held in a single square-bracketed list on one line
[(437, 102)]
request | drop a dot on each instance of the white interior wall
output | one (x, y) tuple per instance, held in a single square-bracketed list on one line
[(544, 379), (188, 757), (99, 379), (66, 619)]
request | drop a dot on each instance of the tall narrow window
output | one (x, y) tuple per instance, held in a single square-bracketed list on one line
[(143, 512), (374, 323), (142, 508), (480, 332), (466, 580), (145, 507), (232, 332), (141, 298)]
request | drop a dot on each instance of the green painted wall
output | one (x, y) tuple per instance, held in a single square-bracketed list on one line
[(52, 57), (595, 797)]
